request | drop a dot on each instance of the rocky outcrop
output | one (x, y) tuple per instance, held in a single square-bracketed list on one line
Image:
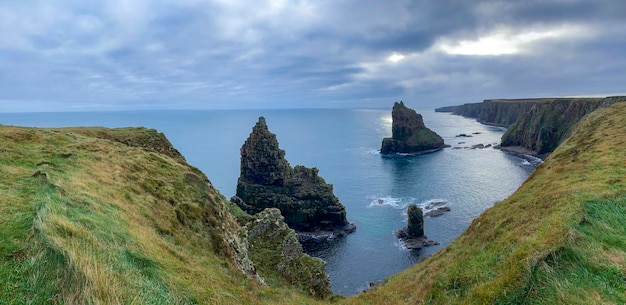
[(268, 181), (274, 248), (413, 234), (409, 134)]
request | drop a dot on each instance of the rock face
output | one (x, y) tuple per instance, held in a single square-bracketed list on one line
[(268, 181), (413, 234), (415, 225), (498, 112), (409, 134), (548, 124), (268, 232)]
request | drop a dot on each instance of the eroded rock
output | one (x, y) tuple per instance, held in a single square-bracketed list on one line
[(409, 134)]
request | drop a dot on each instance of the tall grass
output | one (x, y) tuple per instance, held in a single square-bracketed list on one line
[(97, 221)]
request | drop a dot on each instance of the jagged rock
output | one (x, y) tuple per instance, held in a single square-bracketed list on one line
[(267, 180), (275, 246), (409, 134), (413, 234)]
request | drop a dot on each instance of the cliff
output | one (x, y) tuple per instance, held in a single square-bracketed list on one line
[(116, 216), (409, 134), (268, 181), (549, 123), (535, 126)]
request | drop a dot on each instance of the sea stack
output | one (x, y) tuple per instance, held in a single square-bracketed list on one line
[(409, 134), (267, 180), (413, 234)]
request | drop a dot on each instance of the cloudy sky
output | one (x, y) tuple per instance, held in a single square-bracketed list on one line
[(76, 55)]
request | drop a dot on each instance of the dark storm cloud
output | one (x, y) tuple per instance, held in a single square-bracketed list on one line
[(84, 55)]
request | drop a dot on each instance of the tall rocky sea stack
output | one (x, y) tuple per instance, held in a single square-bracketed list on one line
[(413, 234), (409, 134), (268, 181)]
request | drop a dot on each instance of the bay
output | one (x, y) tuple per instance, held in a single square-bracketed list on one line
[(343, 144)]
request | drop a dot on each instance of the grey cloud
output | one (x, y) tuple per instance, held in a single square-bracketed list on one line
[(209, 54)]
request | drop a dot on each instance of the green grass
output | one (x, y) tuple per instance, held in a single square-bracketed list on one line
[(88, 218)]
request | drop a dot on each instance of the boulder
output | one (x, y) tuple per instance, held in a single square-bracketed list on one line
[(409, 134)]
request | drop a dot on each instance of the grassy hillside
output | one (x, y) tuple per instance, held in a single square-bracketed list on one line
[(560, 239), (100, 216)]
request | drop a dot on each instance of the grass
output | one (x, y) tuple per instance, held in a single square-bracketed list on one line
[(89, 219), (92, 217), (558, 239)]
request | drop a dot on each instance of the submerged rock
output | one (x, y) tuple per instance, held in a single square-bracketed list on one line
[(413, 234), (409, 134), (437, 212), (267, 180)]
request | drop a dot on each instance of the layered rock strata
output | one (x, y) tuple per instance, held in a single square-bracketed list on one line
[(535, 126), (304, 198), (409, 134)]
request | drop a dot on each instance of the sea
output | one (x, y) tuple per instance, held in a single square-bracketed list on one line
[(344, 145)]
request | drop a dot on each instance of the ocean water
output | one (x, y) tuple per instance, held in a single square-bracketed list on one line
[(343, 144)]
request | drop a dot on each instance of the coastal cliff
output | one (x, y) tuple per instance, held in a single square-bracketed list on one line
[(116, 216), (547, 124), (409, 134), (304, 198), (535, 126)]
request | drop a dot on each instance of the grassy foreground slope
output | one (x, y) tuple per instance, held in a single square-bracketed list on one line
[(559, 239), (100, 216)]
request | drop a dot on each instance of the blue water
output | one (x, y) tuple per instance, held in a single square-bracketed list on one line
[(343, 144)]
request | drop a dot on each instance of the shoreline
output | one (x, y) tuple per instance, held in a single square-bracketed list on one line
[(522, 152)]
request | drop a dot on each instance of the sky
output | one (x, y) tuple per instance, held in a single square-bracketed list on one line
[(76, 55)]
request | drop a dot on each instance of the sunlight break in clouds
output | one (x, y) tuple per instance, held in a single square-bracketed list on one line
[(395, 57), (501, 42)]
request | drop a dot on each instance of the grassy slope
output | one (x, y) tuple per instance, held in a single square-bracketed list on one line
[(101, 223), (85, 220), (560, 239)]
